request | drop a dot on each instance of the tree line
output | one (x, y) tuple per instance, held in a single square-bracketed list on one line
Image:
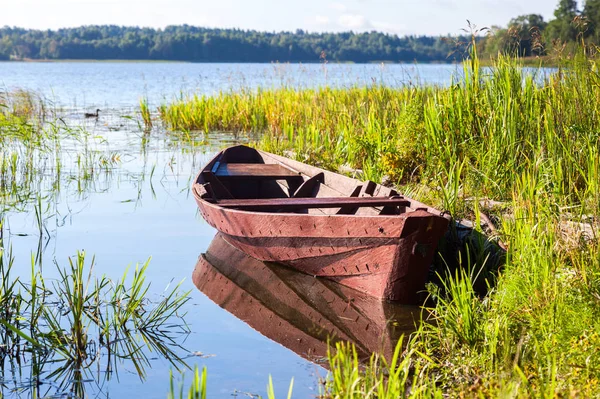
[(526, 35), (190, 43), (530, 35)]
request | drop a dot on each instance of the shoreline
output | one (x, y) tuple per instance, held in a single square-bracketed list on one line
[(535, 62), (91, 60)]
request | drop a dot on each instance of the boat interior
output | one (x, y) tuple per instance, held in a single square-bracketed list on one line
[(243, 178)]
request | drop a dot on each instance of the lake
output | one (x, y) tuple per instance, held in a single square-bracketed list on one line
[(130, 201), (115, 85)]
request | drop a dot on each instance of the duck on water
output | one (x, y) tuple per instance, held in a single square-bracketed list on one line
[(92, 115)]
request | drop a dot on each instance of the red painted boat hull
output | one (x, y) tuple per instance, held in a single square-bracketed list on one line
[(386, 256)]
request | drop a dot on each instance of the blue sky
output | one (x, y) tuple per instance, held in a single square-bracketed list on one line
[(430, 17)]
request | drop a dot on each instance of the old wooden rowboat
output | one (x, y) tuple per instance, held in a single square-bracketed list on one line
[(359, 234), (302, 313)]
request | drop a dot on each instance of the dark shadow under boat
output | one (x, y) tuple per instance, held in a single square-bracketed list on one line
[(299, 311)]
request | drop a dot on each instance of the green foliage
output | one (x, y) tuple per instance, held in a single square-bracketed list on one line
[(75, 329), (591, 11), (523, 37), (197, 388), (562, 28), (526, 35), (496, 134), (189, 43), (497, 126), (146, 115), (529, 35)]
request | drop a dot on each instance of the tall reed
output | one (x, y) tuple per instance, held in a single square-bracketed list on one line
[(80, 329), (527, 143), (146, 115)]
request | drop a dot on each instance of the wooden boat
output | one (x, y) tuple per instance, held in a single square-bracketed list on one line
[(359, 234), (302, 313)]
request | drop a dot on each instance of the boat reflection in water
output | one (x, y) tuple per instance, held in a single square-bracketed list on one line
[(301, 312)]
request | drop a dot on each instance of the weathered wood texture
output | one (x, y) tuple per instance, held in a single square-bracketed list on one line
[(275, 204), (255, 171), (387, 256)]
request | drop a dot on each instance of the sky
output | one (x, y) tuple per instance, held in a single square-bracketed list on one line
[(402, 17)]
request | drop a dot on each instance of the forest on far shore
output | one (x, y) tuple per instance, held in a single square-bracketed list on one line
[(525, 35), (190, 43)]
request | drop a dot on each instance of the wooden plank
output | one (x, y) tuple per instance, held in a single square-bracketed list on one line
[(305, 203), (218, 189), (257, 171), (307, 189), (343, 184), (350, 210)]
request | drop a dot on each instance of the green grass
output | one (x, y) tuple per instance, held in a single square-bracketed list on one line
[(21, 105), (69, 336), (530, 330), (75, 332), (499, 122), (530, 145), (197, 389), (33, 162), (145, 114), (79, 330)]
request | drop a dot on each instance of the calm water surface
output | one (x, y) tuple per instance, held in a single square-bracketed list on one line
[(122, 84), (124, 216), (141, 206)]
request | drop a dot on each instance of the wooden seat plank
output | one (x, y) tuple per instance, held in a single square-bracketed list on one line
[(257, 171), (306, 203)]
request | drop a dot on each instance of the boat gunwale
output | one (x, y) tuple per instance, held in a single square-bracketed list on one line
[(416, 213), (420, 209)]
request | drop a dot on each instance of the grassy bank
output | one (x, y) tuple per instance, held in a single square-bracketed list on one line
[(495, 136), (494, 126)]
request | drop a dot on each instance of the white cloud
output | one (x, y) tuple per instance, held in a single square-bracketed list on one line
[(398, 29), (338, 7), (354, 22), (321, 20)]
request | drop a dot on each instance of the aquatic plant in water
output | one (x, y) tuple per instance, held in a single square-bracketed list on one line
[(70, 335)]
